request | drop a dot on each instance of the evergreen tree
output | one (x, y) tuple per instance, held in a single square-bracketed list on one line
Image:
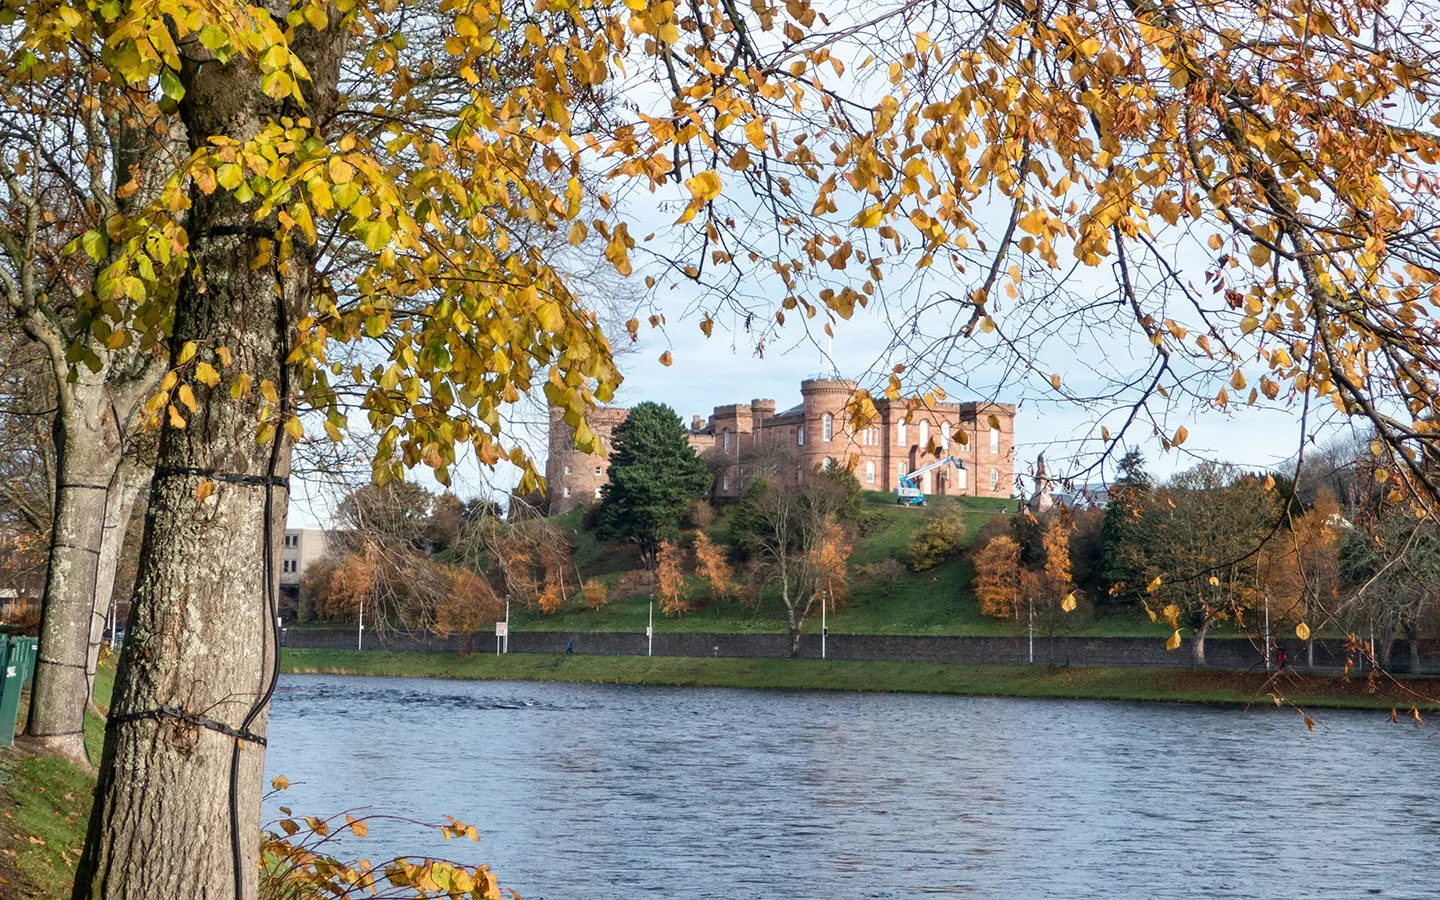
[(654, 477), (1124, 525)]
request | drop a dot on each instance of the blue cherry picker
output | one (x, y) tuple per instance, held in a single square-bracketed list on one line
[(908, 492)]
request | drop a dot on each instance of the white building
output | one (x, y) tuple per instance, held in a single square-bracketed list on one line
[(301, 547)]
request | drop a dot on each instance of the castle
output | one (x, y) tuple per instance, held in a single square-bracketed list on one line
[(818, 433)]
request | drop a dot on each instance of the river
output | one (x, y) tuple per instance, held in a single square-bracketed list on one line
[(583, 791)]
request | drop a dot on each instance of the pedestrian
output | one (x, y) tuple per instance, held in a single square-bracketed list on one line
[(1280, 658), (569, 648)]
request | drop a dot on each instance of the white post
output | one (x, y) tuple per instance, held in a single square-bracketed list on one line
[(1032, 631), (823, 630), (1267, 632), (360, 629), (650, 632), (507, 625)]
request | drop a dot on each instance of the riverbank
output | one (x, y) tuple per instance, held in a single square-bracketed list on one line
[(1153, 685)]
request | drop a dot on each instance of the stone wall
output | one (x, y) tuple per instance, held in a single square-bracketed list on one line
[(1220, 653)]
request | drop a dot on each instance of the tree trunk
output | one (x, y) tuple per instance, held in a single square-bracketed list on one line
[(87, 451), (1414, 643), (174, 791), (132, 477), (1197, 643), (794, 641)]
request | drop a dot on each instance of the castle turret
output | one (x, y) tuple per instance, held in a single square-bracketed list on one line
[(574, 478)]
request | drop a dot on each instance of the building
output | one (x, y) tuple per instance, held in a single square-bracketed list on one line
[(816, 434), (301, 547)]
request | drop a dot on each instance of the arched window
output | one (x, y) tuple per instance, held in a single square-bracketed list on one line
[(900, 434), (725, 437), (800, 435), (961, 479), (994, 440), (994, 479), (925, 433), (725, 482), (827, 427), (945, 436), (870, 473), (827, 464)]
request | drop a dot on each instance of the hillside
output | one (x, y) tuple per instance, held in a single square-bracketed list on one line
[(938, 601)]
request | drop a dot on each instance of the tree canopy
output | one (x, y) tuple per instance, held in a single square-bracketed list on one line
[(654, 476)]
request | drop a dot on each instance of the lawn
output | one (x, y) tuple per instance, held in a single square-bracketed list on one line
[(936, 602), (1169, 685), (46, 803)]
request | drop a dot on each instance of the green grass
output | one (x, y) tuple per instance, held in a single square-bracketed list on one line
[(46, 802), (1173, 685), (936, 602)]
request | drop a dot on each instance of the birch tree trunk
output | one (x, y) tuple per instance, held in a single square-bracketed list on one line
[(87, 450), (1197, 644), (171, 798)]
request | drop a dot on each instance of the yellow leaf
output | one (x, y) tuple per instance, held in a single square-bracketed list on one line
[(666, 358), (176, 420), (203, 490), (577, 232), (870, 217), (187, 396), (1068, 604), (1259, 254), (1180, 435), (294, 428), (705, 186), (1302, 631), (1174, 642), (206, 374), (1055, 381), (279, 782), (1153, 586), (1237, 380), (187, 353), (1216, 242)]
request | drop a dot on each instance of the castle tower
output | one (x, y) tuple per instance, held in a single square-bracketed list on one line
[(574, 478), (827, 436)]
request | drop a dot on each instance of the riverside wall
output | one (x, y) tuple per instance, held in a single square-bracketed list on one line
[(1220, 653)]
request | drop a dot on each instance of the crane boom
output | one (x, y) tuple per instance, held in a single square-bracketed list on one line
[(908, 491)]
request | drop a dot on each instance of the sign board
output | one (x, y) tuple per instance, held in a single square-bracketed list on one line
[(649, 631), (502, 629)]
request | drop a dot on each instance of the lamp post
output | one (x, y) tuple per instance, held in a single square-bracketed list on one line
[(360, 628), (650, 632), (824, 630)]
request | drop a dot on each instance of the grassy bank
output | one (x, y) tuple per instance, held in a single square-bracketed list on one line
[(46, 804), (1174, 685)]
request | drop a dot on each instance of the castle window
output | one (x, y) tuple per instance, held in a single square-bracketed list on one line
[(827, 464), (827, 427), (994, 440), (567, 470), (597, 493), (870, 473), (598, 471), (925, 433), (961, 478), (800, 435), (900, 470), (725, 482), (799, 474), (565, 491), (900, 434), (945, 436), (725, 439), (994, 479)]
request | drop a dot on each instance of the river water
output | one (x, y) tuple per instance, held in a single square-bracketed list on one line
[(584, 791)]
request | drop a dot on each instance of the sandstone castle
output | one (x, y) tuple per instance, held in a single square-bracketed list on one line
[(818, 434)]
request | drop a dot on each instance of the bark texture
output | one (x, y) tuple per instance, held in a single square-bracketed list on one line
[(87, 448), (1198, 643), (200, 638)]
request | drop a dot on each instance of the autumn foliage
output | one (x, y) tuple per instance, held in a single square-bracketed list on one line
[(997, 577), (593, 590), (670, 592), (711, 564)]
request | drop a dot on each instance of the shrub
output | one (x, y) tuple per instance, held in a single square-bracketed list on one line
[(879, 574), (701, 514), (635, 583), (594, 593), (941, 538)]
